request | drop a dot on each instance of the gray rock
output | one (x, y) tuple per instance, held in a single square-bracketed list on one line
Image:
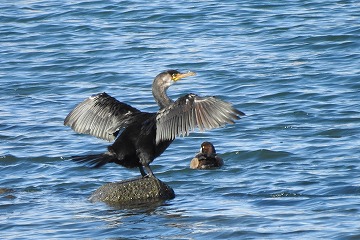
[(133, 192)]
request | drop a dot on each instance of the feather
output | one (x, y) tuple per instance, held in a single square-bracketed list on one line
[(192, 111), (101, 116)]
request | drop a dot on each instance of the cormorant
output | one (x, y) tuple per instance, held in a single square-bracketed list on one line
[(140, 137), (206, 158)]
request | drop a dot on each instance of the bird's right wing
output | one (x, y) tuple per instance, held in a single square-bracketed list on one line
[(101, 116), (192, 111)]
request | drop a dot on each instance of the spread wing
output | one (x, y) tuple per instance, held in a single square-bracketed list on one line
[(190, 112), (101, 116)]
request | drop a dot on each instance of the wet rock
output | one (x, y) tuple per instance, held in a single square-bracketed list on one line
[(133, 192)]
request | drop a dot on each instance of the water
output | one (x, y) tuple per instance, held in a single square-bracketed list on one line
[(291, 166)]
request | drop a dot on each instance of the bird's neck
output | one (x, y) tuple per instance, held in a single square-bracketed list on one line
[(161, 97)]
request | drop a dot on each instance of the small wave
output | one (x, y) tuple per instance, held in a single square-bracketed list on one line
[(263, 154), (8, 159), (336, 133)]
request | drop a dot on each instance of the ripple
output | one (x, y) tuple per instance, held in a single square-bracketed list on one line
[(291, 165)]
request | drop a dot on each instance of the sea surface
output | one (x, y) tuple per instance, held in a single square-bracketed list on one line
[(292, 165)]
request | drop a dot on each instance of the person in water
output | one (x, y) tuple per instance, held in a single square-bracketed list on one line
[(206, 158)]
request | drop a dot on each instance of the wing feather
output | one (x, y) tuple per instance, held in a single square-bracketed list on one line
[(192, 111), (101, 116)]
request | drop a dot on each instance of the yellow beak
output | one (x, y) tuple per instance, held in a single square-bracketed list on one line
[(179, 76)]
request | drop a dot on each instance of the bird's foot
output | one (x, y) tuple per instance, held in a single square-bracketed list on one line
[(149, 175)]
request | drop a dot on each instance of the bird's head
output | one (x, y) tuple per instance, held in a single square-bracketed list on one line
[(207, 148), (175, 75), (168, 77)]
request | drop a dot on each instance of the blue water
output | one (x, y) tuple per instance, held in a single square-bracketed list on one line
[(292, 165)]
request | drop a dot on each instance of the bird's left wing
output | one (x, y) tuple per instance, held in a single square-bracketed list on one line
[(101, 116), (192, 111)]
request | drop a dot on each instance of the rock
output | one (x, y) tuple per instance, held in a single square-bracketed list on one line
[(133, 192)]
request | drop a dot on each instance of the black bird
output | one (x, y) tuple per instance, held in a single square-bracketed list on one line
[(140, 137), (206, 158)]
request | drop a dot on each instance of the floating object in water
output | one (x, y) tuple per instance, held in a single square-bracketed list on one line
[(206, 158)]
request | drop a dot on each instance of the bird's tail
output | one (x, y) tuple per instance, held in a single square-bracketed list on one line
[(95, 160)]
